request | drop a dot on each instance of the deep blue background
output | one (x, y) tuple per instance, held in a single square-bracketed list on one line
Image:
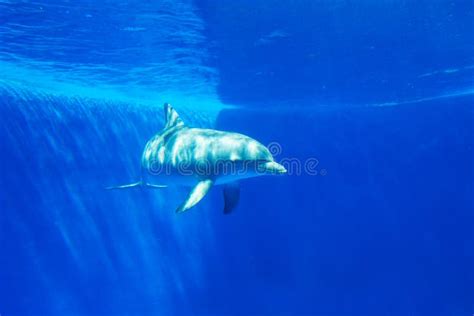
[(338, 52), (381, 94)]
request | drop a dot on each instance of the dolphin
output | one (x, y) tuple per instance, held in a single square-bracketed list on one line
[(201, 158)]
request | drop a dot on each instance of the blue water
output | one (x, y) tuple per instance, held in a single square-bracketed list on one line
[(379, 93)]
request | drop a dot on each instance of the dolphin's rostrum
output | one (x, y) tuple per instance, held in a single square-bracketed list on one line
[(201, 158)]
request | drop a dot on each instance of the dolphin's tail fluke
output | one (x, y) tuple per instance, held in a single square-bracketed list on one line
[(136, 184), (125, 186)]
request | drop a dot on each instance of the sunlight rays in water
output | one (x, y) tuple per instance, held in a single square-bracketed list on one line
[(87, 92), (77, 152), (200, 109)]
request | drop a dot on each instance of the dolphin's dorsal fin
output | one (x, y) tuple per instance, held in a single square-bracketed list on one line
[(172, 118)]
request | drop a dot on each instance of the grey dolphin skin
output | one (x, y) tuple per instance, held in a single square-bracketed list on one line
[(201, 158)]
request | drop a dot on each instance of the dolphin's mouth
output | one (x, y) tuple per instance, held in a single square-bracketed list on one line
[(272, 167)]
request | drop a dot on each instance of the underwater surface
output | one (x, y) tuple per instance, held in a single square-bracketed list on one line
[(378, 97)]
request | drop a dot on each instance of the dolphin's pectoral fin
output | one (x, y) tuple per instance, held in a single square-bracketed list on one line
[(231, 196), (196, 195)]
